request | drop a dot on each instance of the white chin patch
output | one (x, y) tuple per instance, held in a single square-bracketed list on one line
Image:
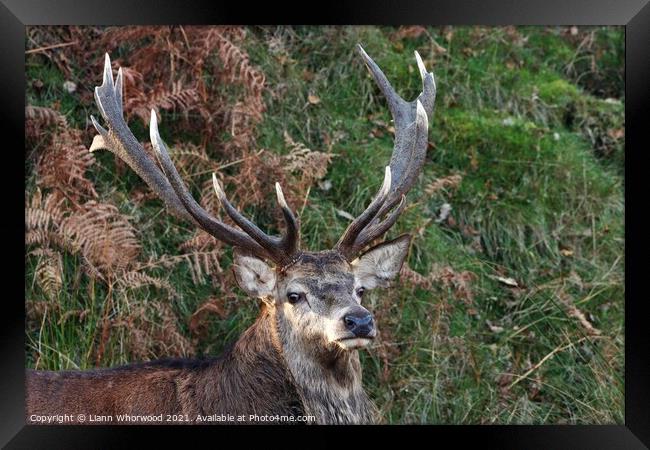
[(351, 344)]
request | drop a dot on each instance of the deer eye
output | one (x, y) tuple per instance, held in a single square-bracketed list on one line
[(294, 297), (360, 291)]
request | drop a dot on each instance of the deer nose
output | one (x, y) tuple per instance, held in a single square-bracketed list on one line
[(359, 323)]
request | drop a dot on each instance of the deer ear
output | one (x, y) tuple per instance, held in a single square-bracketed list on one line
[(381, 264), (253, 275)]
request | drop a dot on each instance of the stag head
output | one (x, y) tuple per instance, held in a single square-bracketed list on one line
[(316, 295)]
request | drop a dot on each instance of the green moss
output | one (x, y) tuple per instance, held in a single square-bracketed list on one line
[(558, 92)]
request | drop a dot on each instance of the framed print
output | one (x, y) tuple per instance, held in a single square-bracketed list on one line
[(411, 219)]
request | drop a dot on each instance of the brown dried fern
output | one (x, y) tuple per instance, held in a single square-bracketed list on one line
[(49, 271), (137, 280), (444, 276), (63, 165), (106, 238), (39, 117), (198, 321), (451, 182), (152, 331), (201, 264), (42, 220)]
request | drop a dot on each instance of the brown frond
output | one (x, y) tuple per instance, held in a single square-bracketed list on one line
[(451, 182), (62, 165), (237, 65), (42, 220), (183, 99), (41, 213), (414, 278), (49, 271), (199, 320), (106, 238), (311, 165), (152, 331), (458, 282), (201, 241), (201, 263), (39, 117), (136, 280)]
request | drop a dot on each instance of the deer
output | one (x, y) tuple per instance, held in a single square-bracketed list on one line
[(300, 358)]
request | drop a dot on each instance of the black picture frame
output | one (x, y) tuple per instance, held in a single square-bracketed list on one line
[(633, 14)]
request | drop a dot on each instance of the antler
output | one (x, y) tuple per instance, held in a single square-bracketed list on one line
[(411, 121), (169, 186)]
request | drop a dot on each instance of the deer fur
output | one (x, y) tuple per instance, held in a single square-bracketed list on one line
[(272, 369)]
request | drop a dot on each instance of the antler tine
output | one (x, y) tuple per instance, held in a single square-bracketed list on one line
[(345, 244), (372, 232), (291, 239), (119, 140), (408, 155), (428, 95), (168, 184), (408, 152), (411, 139), (280, 248), (216, 228)]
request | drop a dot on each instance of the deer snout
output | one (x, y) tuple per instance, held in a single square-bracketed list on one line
[(360, 323)]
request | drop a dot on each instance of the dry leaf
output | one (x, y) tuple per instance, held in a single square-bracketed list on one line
[(308, 75), (313, 99), (617, 133), (412, 32), (445, 209), (344, 214), (494, 328), (69, 86), (507, 281)]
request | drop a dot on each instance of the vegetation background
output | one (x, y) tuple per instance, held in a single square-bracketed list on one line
[(510, 308)]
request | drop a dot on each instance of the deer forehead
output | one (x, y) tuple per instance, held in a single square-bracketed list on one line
[(320, 273), (331, 285)]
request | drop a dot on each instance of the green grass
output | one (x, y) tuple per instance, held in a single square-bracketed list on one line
[(526, 123)]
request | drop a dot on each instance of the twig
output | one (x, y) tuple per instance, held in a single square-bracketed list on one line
[(543, 360), (231, 163), (304, 203), (50, 47)]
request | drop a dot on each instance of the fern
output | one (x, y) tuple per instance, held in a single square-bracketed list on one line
[(106, 238), (198, 321), (49, 271), (136, 280), (63, 164), (39, 117)]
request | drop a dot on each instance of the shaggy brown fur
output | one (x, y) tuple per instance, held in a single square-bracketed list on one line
[(290, 362), (266, 372)]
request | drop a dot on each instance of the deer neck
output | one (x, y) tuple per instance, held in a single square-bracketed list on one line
[(328, 381)]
